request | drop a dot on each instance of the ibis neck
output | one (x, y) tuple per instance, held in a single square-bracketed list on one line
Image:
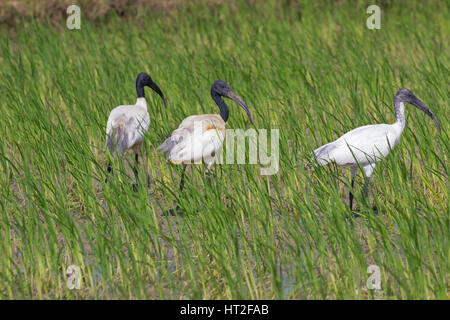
[(140, 90), (224, 112), (140, 101), (400, 113)]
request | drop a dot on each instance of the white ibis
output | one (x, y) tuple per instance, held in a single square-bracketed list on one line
[(367, 145), (127, 124), (200, 137)]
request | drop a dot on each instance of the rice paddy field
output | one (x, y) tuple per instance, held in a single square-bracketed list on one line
[(311, 69)]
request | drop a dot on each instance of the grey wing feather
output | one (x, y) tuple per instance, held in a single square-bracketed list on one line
[(169, 143), (117, 139), (322, 153)]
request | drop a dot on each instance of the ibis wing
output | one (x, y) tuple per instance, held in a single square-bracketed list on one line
[(362, 145), (192, 143), (323, 153), (174, 142), (126, 127)]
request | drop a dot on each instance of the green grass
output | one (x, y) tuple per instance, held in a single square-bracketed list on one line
[(315, 73)]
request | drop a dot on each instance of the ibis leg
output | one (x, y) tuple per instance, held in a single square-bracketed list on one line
[(136, 163), (182, 177), (109, 169), (350, 195), (354, 170)]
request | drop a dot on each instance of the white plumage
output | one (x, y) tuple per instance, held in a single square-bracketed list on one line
[(364, 145), (367, 145), (200, 137), (126, 127), (127, 124)]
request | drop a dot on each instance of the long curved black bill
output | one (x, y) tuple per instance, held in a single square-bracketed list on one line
[(422, 106), (158, 91), (233, 96)]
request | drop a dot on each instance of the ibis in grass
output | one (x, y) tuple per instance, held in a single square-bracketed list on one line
[(365, 146), (127, 124), (200, 137)]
